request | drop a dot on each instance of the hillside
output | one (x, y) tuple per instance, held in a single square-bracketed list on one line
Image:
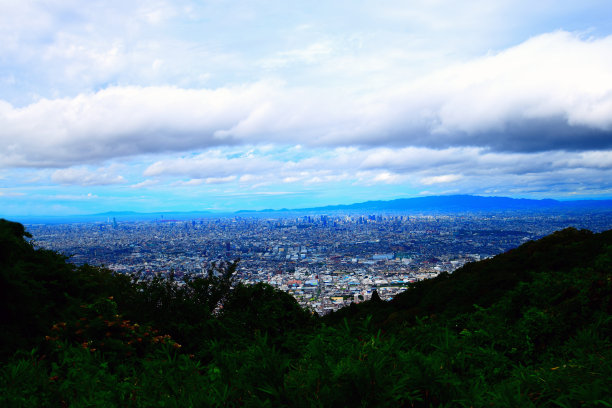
[(530, 327), (484, 283)]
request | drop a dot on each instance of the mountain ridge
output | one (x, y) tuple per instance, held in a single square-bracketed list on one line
[(454, 203), (445, 204)]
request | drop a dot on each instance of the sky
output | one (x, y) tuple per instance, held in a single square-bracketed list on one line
[(223, 105)]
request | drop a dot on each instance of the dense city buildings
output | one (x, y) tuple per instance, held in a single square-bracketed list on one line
[(325, 260)]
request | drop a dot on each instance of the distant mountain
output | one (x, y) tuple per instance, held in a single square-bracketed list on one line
[(447, 204), (115, 213), (459, 203)]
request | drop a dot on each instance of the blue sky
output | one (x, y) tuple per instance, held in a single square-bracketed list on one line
[(226, 105)]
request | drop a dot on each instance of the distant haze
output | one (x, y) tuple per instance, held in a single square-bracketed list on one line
[(432, 205)]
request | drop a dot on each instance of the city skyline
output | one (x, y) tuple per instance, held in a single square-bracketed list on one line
[(224, 106)]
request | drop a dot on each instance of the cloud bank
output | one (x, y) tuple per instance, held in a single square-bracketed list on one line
[(552, 92)]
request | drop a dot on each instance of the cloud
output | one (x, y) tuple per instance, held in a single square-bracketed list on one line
[(553, 92), (145, 183), (469, 169), (219, 180), (309, 55), (260, 193), (446, 178), (5, 193), (388, 178), (212, 164), (118, 122), (72, 197), (86, 177)]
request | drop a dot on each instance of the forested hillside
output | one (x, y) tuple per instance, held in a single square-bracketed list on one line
[(530, 327)]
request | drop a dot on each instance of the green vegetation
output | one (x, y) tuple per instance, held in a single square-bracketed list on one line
[(530, 327)]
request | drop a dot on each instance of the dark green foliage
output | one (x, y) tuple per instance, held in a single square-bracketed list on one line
[(252, 310), (12, 245), (182, 310), (531, 327), (485, 283), (38, 288)]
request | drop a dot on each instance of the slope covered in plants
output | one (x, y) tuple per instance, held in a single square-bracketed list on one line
[(530, 327)]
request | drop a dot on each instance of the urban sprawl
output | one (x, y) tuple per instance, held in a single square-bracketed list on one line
[(324, 261)]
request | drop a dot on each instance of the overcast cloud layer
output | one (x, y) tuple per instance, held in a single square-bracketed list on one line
[(190, 105)]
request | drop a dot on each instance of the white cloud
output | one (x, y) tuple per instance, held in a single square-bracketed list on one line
[(72, 197), (311, 54), (212, 164), (145, 183), (471, 170), (549, 75), (219, 180), (388, 178), (85, 177), (188, 183), (9, 193), (444, 179), (551, 92)]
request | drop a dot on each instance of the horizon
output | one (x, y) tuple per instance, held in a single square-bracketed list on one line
[(190, 106), (322, 208)]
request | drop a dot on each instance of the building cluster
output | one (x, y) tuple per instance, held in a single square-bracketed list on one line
[(324, 261)]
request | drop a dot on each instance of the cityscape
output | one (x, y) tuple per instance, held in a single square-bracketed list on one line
[(326, 261)]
